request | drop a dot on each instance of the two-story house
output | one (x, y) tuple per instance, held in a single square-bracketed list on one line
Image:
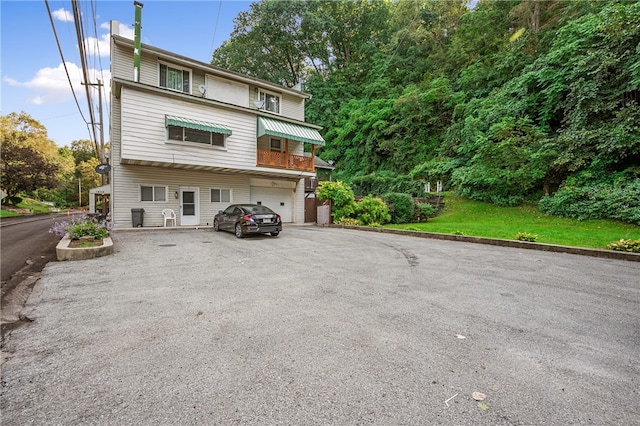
[(195, 138)]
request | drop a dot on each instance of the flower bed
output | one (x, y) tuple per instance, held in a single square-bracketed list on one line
[(64, 252), (83, 237)]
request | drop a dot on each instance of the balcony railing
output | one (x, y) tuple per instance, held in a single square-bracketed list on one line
[(285, 161)]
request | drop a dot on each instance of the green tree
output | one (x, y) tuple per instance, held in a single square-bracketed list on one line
[(266, 42), (30, 160), (83, 150)]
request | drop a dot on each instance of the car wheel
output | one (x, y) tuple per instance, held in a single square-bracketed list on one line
[(239, 231), (216, 225), (275, 234)]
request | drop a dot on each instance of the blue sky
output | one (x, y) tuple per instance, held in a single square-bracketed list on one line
[(33, 76)]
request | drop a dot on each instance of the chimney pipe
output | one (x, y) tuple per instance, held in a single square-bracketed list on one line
[(136, 41)]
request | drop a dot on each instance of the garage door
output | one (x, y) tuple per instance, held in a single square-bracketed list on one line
[(280, 200)]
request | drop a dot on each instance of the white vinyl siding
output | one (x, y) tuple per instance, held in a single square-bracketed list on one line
[(126, 179), (227, 91), (144, 135), (292, 107)]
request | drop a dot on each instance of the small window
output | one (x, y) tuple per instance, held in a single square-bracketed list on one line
[(275, 145), (220, 195), (175, 78), (271, 102), (153, 193)]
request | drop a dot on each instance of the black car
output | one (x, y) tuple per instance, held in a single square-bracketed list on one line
[(243, 219)]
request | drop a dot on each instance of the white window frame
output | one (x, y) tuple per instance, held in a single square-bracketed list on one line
[(178, 68), (220, 192), (262, 96), (184, 137), (272, 148), (153, 193)]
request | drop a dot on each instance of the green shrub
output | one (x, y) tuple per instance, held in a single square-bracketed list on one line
[(372, 210), (15, 200), (526, 236), (347, 221), (402, 207), (596, 201), (341, 196), (631, 246), (425, 211)]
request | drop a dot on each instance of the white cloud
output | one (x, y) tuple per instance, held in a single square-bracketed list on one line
[(123, 30), (97, 47), (52, 86), (63, 15)]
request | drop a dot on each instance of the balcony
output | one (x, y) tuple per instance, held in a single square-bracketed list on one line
[(282, 160)]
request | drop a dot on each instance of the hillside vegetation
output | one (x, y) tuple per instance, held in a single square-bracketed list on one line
[(513, 101), (480, 219)]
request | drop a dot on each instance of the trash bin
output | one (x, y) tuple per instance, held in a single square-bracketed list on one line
[(137, 217), (323, 216)]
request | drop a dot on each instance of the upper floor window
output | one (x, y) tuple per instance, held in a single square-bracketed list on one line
[(271, 102), (175, 78), (275, 145), (186, 134)]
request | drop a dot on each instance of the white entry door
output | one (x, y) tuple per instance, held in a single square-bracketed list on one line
[(189, 206)]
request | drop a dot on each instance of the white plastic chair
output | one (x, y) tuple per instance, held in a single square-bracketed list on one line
[(169, 214)]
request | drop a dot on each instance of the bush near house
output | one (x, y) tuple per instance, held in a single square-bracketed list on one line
[(341, 196), (370, 210), (401, 207)]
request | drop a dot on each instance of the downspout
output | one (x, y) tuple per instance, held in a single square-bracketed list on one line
[(137, 47)]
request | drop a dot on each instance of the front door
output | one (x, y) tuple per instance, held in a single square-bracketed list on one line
[(189, 206)]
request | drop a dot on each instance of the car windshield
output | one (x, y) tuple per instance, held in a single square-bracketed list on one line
[(257, 209)]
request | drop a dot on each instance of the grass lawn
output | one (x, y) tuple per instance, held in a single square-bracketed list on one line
[(33, 206), (474, 218)]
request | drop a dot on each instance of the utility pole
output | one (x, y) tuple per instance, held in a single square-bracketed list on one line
[(104, 176), (100, 149)]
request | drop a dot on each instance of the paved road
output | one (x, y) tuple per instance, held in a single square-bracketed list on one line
[(326, 326), (25, 239), (27, 246)]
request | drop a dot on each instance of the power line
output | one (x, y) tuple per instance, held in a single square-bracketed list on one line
[(83, 60), (64, 63), (215, 29)]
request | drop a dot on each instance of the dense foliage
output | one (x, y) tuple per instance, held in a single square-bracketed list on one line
[(511, 101), (33, 165)]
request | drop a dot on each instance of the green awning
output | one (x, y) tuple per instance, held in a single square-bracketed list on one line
[(189, 123), (271, 127)]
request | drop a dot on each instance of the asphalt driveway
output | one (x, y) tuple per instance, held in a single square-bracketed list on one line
[(326, 326)]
